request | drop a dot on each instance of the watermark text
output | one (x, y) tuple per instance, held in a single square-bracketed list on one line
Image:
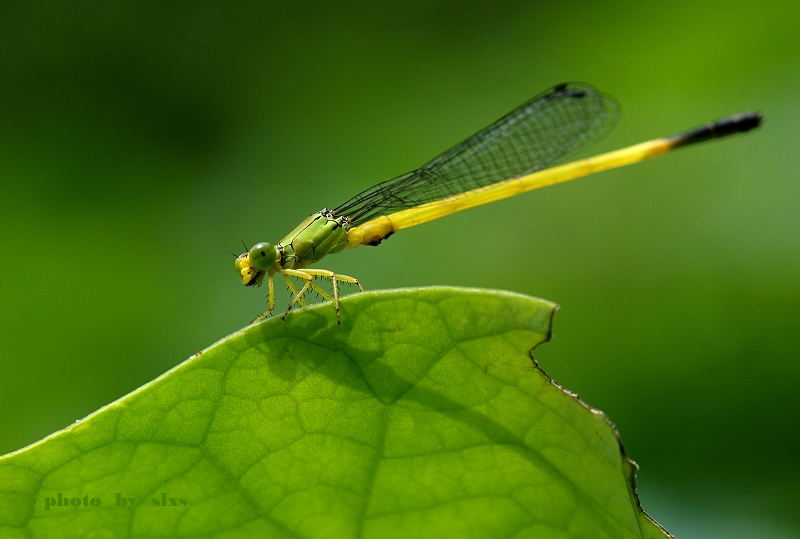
[(119, 501)]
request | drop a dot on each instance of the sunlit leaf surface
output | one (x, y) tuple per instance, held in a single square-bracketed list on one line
[(421, 415)]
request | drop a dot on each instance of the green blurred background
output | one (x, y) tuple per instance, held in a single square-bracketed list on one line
[(139, 143)]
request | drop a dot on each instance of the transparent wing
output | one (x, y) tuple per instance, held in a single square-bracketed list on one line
[(534, 136)]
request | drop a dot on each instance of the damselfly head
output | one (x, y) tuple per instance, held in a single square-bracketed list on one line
[(253, 264)]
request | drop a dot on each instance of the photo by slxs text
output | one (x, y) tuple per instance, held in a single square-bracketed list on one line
[(119, 501)]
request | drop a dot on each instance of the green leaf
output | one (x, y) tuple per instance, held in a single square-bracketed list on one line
[(421, 415)]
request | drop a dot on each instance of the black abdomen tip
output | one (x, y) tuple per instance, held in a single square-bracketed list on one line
[(738, 123)]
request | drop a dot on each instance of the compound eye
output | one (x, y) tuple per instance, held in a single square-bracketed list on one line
[(262, 256)]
